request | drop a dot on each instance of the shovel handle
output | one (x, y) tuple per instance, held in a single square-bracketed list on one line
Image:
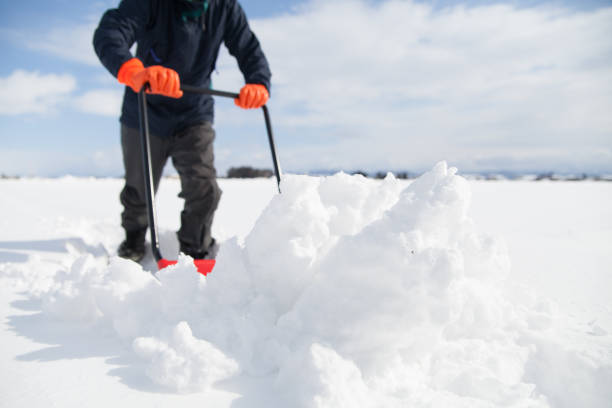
[(208, 91)]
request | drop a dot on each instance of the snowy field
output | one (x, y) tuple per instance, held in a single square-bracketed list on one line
[(341, 292)]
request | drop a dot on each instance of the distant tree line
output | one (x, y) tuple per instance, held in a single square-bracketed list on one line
[(248, 172), (554, 177), (251, 172), (403, 175), (493, 177)]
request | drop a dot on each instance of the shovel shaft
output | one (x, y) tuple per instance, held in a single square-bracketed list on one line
[(148, 173), (277, 170)]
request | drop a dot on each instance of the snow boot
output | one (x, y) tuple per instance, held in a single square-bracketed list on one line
[(133, 247), (210, 253)]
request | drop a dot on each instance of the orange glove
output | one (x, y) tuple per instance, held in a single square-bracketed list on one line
[(161, 80), (252, 96)]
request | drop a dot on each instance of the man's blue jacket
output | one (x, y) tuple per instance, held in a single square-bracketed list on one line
[(185, 36)]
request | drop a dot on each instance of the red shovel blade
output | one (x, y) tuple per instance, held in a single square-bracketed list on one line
[(204, 266)]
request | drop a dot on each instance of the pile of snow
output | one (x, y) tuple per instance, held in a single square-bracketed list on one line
[(348, 292)]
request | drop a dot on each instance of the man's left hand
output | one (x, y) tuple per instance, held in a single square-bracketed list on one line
[(252, 96)]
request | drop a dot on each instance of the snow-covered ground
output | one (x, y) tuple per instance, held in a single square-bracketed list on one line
[(340, 292)]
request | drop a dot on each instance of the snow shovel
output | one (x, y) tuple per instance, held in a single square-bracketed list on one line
[(204, 266)]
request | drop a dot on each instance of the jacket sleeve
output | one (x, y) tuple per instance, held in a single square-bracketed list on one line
[(245, 47), (118, 30)]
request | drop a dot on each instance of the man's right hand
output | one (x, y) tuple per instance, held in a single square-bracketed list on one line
[(161, 80)]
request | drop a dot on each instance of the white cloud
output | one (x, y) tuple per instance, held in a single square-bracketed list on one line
[(31, 92), (24, 92), (399, 84), (73, 43), (103, 102)]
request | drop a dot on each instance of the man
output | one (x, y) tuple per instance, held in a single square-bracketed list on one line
[(178, 42)]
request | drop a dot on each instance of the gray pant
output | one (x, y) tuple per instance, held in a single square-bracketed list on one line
[(192, 155)]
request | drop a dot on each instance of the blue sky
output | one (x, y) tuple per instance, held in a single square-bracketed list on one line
[(372, 85)]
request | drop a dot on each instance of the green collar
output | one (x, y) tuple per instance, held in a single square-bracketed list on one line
[(196, 12)]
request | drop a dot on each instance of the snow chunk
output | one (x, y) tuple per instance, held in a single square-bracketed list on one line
[(321, 378), (182, 362)]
